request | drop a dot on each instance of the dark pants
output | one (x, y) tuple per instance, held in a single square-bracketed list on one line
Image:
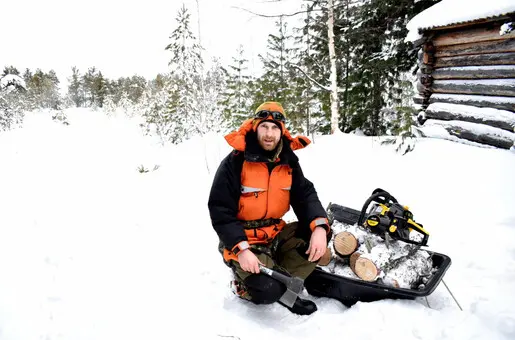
[(289, 258)]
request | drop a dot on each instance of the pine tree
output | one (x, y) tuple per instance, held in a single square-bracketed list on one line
[(42, 90), (88, 87), (11, 108), (53, 98), (74, 88), (278, 79), (215, 86), (237, 99), (382, 56), (371, 58), (307, 98), (10, 70), (192, 94), (99, 88), (184, 89)]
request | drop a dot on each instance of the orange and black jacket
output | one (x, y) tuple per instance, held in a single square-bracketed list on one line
[(248, 187)]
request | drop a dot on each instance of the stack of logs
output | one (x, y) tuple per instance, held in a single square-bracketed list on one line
[(359, 254), (468, 65)]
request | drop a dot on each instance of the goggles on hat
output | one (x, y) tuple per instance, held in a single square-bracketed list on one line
[(276, 115)]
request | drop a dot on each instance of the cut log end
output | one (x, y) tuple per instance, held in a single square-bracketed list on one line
[(345, 243), (366, 269), (352, 261), (326, 258)]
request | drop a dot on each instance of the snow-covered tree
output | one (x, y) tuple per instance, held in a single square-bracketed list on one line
[(237, 99), (75, 92), (185, 88), (192, 94), (11, 106), (214, 87)]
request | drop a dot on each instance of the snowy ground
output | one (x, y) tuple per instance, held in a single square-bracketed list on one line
[(92, 249)]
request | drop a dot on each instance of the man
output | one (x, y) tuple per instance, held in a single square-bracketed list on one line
[(253, 188)]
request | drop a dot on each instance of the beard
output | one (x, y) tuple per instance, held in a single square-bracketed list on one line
[(268, 143)]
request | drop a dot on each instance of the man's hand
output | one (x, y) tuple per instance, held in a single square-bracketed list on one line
[(317, 244), (249, 261)]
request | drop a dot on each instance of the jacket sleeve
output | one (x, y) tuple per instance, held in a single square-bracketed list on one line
[(223, 202), (305, 202)]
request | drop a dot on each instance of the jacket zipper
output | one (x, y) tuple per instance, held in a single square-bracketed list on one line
[(268, 190)]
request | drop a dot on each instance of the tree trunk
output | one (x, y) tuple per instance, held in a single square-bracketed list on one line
[(496, 46), (477, 60), (472, 36), (426, 69), (347, 64), (496, 118), (326, 258), (395, 263), (345, 244), (502, 103), (478, 133), (333, 76), (424, 90), (490, 87), (475, 72), (419, 100)]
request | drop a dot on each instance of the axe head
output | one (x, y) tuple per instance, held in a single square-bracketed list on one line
[(294, 287)]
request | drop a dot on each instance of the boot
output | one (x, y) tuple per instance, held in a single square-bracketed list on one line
[(302, 307)]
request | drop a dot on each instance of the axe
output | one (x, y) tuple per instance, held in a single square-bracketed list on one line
[(294, 285)]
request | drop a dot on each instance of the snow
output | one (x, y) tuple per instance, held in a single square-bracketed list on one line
[(485, 82), (476, 98), (10, 80), (90, 248), (404, 274), (506, 28), (479, 113), (448, 12), (476, 68), (435, 128)]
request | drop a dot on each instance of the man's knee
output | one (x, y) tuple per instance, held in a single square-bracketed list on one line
[(263, 289)]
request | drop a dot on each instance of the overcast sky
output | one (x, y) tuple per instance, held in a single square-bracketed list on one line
[(122, 38)]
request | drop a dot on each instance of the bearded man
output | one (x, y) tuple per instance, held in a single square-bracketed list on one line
[(252, 190)]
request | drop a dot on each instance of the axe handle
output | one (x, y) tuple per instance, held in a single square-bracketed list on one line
[(276, 275)]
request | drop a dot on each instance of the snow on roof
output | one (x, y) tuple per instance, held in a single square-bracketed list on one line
[(450, 12)]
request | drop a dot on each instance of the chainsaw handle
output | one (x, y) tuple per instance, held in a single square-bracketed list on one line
[(378, 195), (419, 229)]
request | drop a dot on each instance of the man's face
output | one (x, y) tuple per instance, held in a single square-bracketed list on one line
[(268, 135)]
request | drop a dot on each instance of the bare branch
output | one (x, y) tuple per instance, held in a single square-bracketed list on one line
[(229, 336), (325, 88), (311, 79), (275, 15)]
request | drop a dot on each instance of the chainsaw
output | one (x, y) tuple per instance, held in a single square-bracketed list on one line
[(384, 216)]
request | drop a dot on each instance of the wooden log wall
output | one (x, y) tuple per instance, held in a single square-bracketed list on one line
[(468, 65)]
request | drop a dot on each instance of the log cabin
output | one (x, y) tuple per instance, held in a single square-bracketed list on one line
[(466, 78)]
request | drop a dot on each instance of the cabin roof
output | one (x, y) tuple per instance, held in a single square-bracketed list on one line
[(452, 13)]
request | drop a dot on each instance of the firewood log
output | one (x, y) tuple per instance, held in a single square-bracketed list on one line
[(326, 258), (394, 263), (345, 244)]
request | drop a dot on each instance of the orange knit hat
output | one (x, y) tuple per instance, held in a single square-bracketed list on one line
[(272, 111)]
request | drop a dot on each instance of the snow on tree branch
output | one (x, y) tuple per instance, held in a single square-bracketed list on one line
[(325, 88)]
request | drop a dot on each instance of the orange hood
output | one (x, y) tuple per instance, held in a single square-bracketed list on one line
[(236, 139)]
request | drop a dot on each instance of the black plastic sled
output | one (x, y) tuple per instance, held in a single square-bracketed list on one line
[(349, 291)]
